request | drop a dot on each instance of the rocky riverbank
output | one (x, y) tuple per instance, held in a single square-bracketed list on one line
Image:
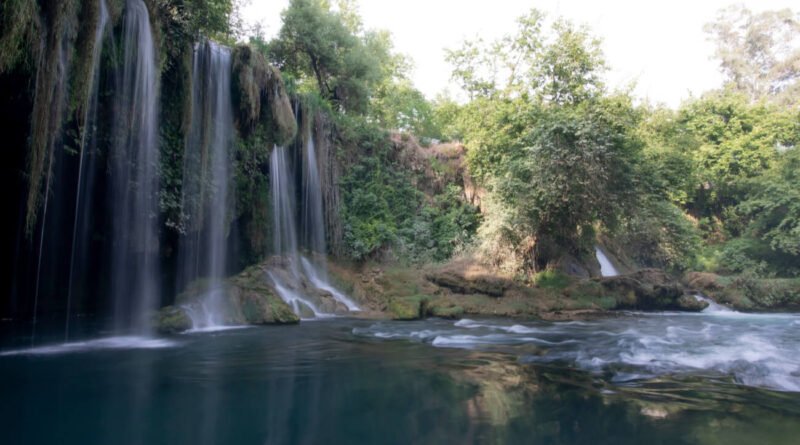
[(465, 287)]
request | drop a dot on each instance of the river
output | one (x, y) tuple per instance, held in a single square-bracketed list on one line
[(667, 378)]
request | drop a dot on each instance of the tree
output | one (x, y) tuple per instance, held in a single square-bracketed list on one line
[(759, 53), (555, 153), (774, 205), (561, 66), (736, 141), (316, 42)]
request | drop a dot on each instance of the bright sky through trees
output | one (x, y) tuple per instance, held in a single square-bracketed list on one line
[(659, 45)]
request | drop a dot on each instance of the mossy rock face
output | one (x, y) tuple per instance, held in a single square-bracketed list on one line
[(260, 96), (258, 305), (172, 320), (691, 304), (465, 284), (453, 312), (408, 308), (646, 289), (248, 299), (257, 301)]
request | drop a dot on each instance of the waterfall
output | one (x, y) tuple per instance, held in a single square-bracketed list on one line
[(80, 233), (285, 233), (713, 306), (313, 218), (607, 269), (316, 269), (304, 276), (206, 182), (133, 172)]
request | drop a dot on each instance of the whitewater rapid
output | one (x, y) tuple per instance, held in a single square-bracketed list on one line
[(759, 350)]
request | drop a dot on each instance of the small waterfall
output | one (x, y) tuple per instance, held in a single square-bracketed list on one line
[(206, 181), (321, 282), (607, 269), (713, 306), (86, 168), (285, 234), (316, 269), (304, 277), (134, 176), (313, 218)]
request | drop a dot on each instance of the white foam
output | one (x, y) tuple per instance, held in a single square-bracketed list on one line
[(123, 342), (514, 329), (519, 329), (761, 350), (218, 328), (713, 306)]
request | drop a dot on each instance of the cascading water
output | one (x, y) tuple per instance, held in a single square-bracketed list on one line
[(316, 268), (300, 281), (313, 218), (285, 234), (80, 232), (607, 269), (134, 176), (206, 183), (713, 306)]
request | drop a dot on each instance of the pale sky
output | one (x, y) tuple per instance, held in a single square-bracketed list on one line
[(659, 45)]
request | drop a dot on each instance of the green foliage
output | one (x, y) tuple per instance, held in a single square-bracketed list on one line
[(551, 279), (383, 210), (316, 44), (743, 255), (378, 197), (398, 105), (659, 234), (773, 205), (666, 169), (556, 155), (562, 66), (734, 141), (440, 229), (576, 170), (186, 20), (771, 220)]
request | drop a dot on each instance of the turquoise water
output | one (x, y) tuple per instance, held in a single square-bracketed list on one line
[(355, 381)]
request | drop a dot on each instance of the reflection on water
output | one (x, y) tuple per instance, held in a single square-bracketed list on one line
[(320, 383)]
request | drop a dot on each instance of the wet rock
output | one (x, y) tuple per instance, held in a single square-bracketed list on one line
[(408, 308), (463, 282), (691, 304), (646, 289), (172, 320), (258, 304), (446, 312)]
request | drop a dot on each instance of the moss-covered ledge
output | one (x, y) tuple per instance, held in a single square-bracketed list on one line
[(248, 298)]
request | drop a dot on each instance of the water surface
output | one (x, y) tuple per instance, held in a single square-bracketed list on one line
[(434, 381)]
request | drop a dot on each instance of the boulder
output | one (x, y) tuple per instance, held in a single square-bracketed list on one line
[(691, 304), (702, 280), (466, 283), (645, 289), (172, 320)]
